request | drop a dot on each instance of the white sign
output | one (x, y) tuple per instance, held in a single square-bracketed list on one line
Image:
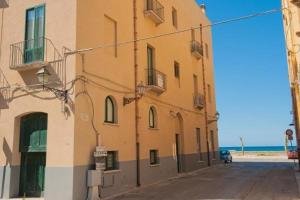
[(100, 151)]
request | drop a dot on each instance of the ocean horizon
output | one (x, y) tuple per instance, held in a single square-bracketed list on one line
[(258, 148)]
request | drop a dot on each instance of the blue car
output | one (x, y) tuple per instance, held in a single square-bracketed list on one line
[(226, 156)]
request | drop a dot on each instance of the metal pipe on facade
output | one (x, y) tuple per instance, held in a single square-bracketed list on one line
[(205, 102), (135, 51)]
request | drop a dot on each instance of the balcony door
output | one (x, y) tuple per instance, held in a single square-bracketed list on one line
[(34, 34), (150, 60)]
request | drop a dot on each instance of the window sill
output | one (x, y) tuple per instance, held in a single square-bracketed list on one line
[(200, 161), (153, 129), (112, 171), (155, 165), (111, 124)]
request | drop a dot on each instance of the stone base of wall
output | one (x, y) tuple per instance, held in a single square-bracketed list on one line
[(63, 183)]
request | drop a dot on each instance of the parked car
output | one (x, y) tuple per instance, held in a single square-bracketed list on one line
[(292, 154), (226, 156)]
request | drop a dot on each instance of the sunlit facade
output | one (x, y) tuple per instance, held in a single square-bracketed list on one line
[(48, 140)]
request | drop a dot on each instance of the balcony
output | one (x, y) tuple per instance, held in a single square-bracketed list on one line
[(3, 3), (199, 101), (34, 54), (296, 2), (196, 49), (156, 81), (155, 11)]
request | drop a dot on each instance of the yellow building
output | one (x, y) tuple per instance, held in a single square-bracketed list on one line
[(116, 80), (291, 22)]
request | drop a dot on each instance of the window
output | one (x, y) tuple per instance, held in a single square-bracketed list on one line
[(150, 57), (176, 70), (152, 118), (34, 34), (111, 36), (212, 140), (110, 110), (206, 50), (150, 63), (193, 34), (154, 159), (195, 78), (174, 17), (209, 92), (111, 161), (198, 141)]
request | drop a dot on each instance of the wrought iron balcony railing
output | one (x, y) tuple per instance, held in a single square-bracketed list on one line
[(196, 49), (156, 80), (4, 86), (199, 101), (34, 53), (155, 11)]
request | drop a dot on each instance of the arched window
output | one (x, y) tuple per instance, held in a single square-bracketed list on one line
[(110, 110), (152, 118)]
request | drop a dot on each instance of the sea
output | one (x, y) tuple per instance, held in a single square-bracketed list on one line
[(258, 148)]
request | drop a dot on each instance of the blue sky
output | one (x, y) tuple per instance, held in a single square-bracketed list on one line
[(253, 95)]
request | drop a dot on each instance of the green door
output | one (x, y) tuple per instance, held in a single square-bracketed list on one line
[(150, 60), (34, 34), (33, 142), (32, 174)]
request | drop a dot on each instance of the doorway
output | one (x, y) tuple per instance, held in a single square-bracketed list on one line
[(178, 156), (179, 142), (33, 141), (34, 34)]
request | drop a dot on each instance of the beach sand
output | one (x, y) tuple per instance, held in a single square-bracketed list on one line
[(261, 155)]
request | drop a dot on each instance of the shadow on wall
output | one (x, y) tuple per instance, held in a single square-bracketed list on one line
[(8, 156), (3, 100), (30, 78)]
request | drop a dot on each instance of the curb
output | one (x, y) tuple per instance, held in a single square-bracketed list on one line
[(297, 176)]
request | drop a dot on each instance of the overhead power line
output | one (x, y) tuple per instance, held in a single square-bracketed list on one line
[(259, 14)]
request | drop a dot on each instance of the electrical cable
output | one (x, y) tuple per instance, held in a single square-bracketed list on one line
[(163, 35), (180, 31)]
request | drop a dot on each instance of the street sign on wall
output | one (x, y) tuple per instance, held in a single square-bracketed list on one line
[(289, 132)]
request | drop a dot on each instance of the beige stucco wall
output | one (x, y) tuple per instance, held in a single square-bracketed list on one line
[(60, 29), (106, 72), (178, 99), (108, 76), (115, 77)]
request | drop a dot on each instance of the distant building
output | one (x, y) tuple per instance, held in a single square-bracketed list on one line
[(291, 23), (48, 137)]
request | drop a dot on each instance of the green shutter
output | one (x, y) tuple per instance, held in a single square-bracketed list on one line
[(33, 133)]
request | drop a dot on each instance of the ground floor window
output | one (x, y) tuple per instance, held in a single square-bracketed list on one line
[(111, 161), (154, 159)]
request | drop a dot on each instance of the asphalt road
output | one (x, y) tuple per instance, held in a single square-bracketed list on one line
[(258, 180)]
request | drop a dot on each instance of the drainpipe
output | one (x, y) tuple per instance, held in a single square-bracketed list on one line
[(135, 51), (205, 102)]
